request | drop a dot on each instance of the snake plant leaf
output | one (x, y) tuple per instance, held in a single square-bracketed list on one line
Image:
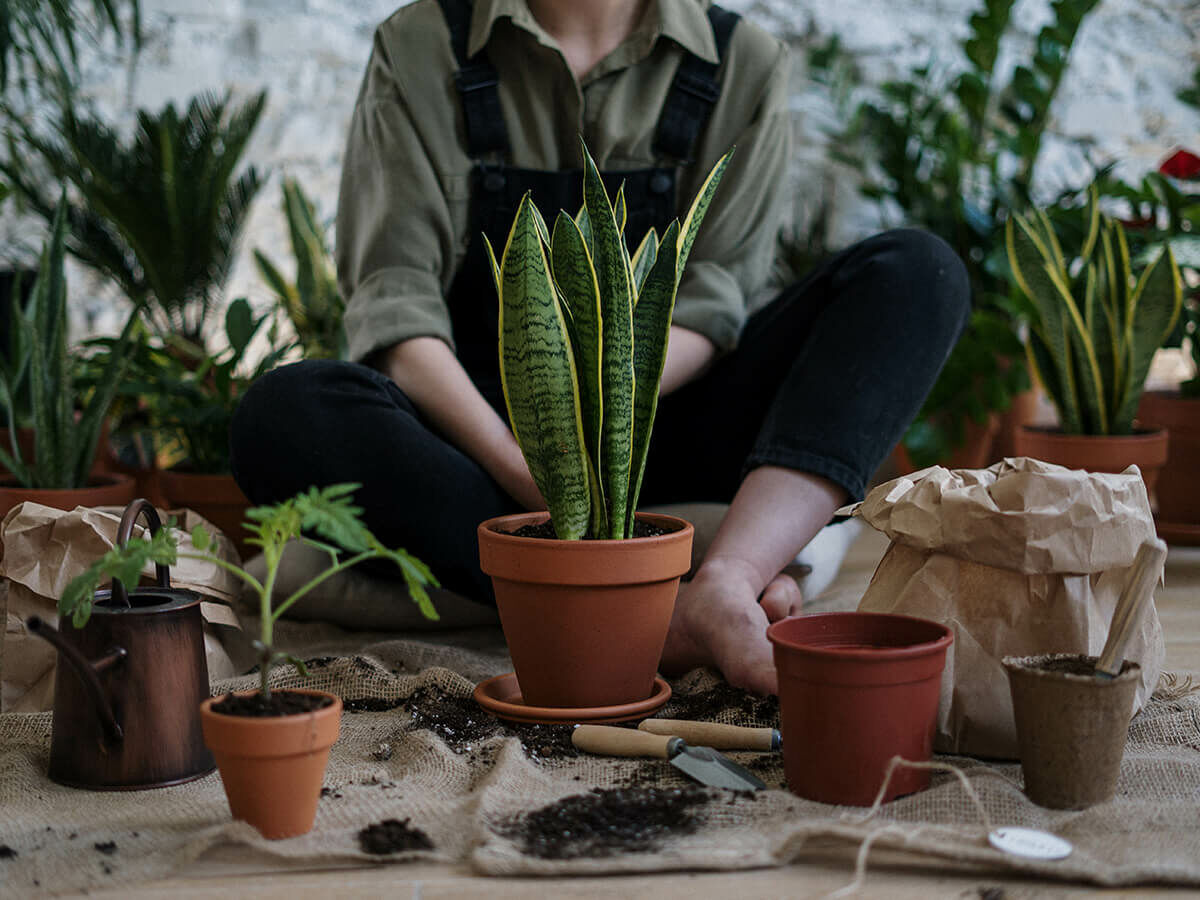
[(576, 279), (495, 267), (1156, 302), (643, 260), (1028, 257), (619, 211), (651, 327), (585, 228), (1090, 384), (1108, 291), (1124, 283), (615, 279), (1105, 332), (538, 377), (1093, 224), (691, 223)]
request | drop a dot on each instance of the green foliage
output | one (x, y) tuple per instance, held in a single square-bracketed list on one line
[(39, 39), (1095, 328), (583, 336), (328, 512), (38, 381), (956, 150), (187, 396), (1191, 388), (313, 302), (160, 214)]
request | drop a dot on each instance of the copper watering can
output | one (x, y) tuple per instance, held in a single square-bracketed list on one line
[(129, 685)]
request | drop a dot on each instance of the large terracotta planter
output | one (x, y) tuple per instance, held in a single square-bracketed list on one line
[(273, 768), (216, 497), (1097, 453), (585, 621), (1179, 481), (109, 490), (856, 689)]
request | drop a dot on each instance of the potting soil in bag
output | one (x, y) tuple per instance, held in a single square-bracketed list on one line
[(1019, 559)]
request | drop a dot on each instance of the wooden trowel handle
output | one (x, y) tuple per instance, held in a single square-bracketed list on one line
[(609, 741), (717, 735)]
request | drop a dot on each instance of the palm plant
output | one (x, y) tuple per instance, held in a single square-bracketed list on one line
[(161, 214)]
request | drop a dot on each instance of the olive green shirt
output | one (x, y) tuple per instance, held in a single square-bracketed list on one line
[(403, 229)]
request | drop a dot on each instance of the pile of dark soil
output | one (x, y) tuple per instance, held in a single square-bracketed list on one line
[(280, 703), (724, 702), (606, 822), (393, 836)]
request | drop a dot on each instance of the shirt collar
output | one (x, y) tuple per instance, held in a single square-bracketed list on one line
[(683, 21)]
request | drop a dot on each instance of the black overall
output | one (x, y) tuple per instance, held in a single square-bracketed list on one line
[(496, 189), (824, 379)]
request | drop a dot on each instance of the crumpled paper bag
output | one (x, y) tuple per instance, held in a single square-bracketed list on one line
[(1021, 558), (44, 548)]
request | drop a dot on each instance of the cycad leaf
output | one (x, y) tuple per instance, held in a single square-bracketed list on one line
[(538, 377), (651, 327), (615, 279)]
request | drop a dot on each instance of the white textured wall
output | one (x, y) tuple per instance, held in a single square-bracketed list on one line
[(1119, 94)]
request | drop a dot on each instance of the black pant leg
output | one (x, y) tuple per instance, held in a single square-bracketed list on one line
[(322, 422), (825, 378)]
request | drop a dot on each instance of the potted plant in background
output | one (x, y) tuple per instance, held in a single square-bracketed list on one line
[(41, 372), (1092, 338), (583, 334), (271, 745), (313, 302)]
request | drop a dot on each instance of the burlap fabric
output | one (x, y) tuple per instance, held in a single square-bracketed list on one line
[(419, 750)]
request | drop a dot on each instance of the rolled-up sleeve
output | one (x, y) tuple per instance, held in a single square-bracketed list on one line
[(394, 231), (734, 250)]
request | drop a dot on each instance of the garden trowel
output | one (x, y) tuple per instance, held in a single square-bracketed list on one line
[(704, 764), (717, 735)]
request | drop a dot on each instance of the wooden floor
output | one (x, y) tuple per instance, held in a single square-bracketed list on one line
[(237, 872)]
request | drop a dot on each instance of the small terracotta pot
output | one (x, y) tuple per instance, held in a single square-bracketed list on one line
[(585, 621), (216, 497), (1179, 481), (856, 689), (1071, 727), (1097, 453), (272, 768)]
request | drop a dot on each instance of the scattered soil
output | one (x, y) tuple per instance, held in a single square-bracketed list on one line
[(108, 848), (393, 836), (1073, 665), (280, 703), (7, 852), (747, 708), (372, 704), (641, 529), (606, 822)]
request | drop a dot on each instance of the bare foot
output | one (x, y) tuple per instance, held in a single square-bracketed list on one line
[(718, 622), (782, 598)]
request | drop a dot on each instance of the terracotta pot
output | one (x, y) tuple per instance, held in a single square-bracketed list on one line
[(1071, 727), (1178, 487), (975, 452), (585, 621), (273, 768), (216, 497), (109, 490), (856, 689), (1023, 410), (1097, 453)]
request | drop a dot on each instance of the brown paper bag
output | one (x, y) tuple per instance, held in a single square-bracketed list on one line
[(44, 548), (1018, 559)]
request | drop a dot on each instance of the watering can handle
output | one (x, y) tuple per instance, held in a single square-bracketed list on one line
[(87, 674), (137, 508)]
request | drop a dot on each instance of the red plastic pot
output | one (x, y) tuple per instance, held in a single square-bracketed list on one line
[(585, 621), (856, 689)]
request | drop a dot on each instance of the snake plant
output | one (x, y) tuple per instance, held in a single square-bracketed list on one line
[(583, 338), (1096, 326)]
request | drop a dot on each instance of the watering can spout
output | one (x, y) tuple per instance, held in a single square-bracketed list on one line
[(87, 672)]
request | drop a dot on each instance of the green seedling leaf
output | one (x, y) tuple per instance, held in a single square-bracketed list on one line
[(125, 564)]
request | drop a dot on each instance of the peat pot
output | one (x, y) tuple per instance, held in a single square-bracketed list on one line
[(128, 685), (1097, 453), (856, 689), (585, 621), (1071, 726), (273, 767)]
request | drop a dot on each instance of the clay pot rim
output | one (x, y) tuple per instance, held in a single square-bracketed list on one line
[(681, 528), (107, 480), (182, 598), (334, 708), (866, 654), (1031, 666), (1140, 435)]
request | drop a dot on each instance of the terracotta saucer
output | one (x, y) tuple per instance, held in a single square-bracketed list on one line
[(501, 696), (1183, 533)]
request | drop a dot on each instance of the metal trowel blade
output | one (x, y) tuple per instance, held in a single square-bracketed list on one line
[(711, 768)]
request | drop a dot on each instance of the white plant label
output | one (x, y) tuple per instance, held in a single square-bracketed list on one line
[(1030, 843)]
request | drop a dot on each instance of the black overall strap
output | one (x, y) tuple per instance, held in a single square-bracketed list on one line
[(477, 84), (693, 93)]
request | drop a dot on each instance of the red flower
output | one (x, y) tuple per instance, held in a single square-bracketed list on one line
[(1181, 164)]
